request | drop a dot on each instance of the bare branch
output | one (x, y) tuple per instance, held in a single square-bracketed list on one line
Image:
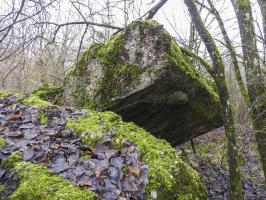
[(154, 9), (14, 21)]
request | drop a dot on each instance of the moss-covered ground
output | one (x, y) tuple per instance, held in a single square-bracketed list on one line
[(32, 99), (49, 92), (3, 94), (169, 177), (2, 187), (2, 142), (36, 101), (37, 183)]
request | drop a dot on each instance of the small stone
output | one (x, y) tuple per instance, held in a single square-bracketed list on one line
[(154, 194)]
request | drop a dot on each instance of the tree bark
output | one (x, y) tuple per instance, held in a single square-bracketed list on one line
[(8, 29), (232, 53), (155, 9), (255, 84), (219, 78), (262, 4)]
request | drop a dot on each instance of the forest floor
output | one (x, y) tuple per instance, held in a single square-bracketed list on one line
[(210, 160), (111, 173)]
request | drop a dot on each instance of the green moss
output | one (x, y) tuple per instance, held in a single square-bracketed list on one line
[(92, 127), (168, 175), (179, 62), (42, 117), (213, 150), (49, 92), (118, 75), (36, 101), (37, 183), (79, 67), (2, 188), (243, 4), (2, 142), (84, 155), (4, 94), (116, 79), (11, 161), (32, 100)]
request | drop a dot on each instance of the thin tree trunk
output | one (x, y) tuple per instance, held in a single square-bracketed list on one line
[(152, 12), (219, 77), (255, 85), (232, 53), (262, 4)]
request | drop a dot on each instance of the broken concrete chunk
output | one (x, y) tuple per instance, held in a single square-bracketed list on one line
[(142, 75)]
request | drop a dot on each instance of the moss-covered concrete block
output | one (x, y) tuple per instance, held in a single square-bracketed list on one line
[(142, 75)]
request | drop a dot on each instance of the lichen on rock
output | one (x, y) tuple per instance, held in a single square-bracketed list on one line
[(136, 74)]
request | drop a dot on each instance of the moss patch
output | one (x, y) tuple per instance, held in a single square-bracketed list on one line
[(31, 100), (2, 187), (115, 73), (42, 117), (2, 142), (243, 4), (119, 77), (4, 94), (49, 92), (37, 183), (179, 62), (36, 101), (169, 177)]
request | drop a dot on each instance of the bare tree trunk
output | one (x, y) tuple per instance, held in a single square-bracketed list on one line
[(255, 85), (125, 13), (232, 53), (219, 77), (155, 9), (8, 28), (262, 4)]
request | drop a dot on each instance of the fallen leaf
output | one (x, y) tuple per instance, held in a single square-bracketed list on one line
[(15, 117), (28, 154), (16, 134), (134, 170), (85, 182)]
